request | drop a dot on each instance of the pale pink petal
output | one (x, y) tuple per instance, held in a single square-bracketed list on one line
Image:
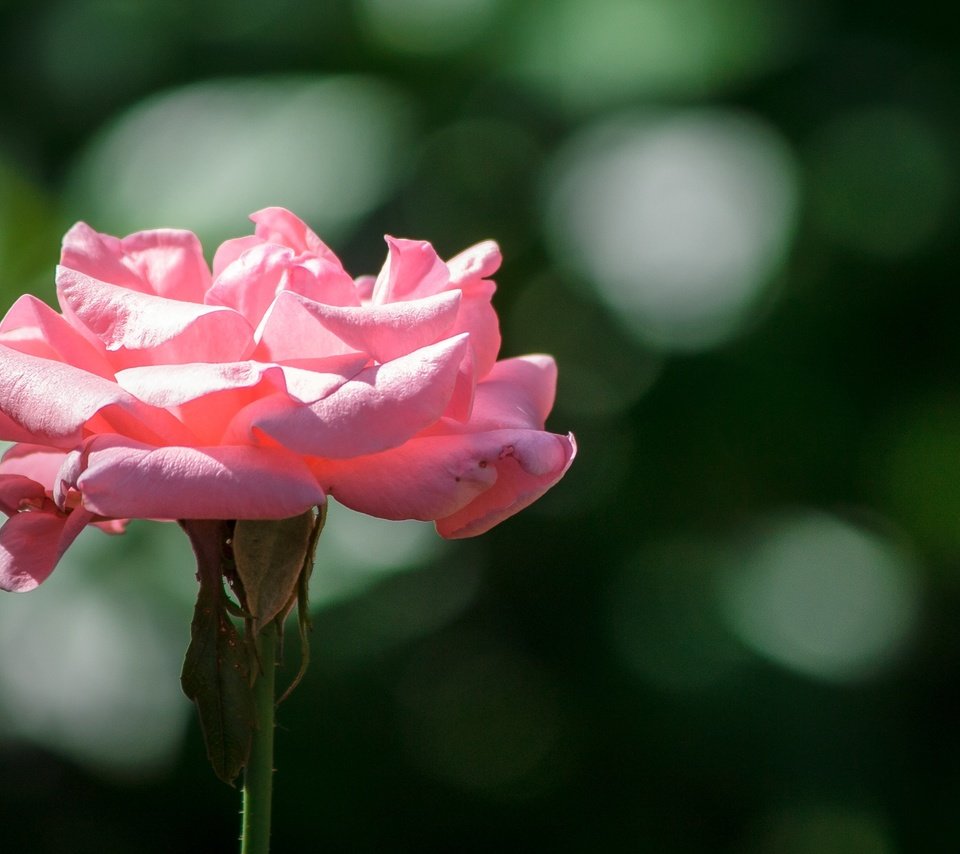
[(525, 471), (302, 386), (478, 262), (323, 281), (140, 421), (328, 282), (205, 397), (32, 327), (98, 255), (51, 403), (10, 431), (469, 481), (230, 250), (478, 317), (249, 284), (142, 329), (392, 330), (172, 385), (289, 330), (412, 269), (37, 462), (278, 225), (127, 479), (165, 262), (363, 285), (308, 385), (31, 544), (381, 407), (170, 261), (460, 406), (517, 393), (424, 478)]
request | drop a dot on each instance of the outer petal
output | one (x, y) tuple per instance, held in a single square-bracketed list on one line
[(51, 403), (31, 544), (165, 262), (517, 393), (31, 326), (468, 482), (412, 269), (478, 262), (129, 479), (17, 489), (478, 317), (142, 329), (525, 471), (470, 271), (379, 408), (98, 255), (37, 462)]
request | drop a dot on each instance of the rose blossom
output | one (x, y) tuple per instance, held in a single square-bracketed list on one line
[(163, 391)]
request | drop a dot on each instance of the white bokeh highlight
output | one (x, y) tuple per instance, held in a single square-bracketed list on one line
[(821, 596), (93, 657), (680, 221), (204, 156)]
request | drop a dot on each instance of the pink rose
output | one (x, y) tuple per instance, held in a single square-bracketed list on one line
[(165, 392)]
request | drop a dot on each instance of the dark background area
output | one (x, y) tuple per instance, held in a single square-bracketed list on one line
[(732, 626)]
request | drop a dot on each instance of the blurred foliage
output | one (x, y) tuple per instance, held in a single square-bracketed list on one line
[(732, 627)]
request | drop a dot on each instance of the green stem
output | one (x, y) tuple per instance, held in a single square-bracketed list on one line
[(258, 775)]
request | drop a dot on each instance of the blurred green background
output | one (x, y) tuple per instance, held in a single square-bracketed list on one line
[(732, 627)]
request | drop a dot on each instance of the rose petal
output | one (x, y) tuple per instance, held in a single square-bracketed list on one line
[(31, 544), (251, 282), (205, 397), (412, 269), (32, 327), (478, 317), (165, 262), (525, 471), (230, 250), (172, 385), (100, 256), (142, 329), (468, 481), (15, 489), (278, 225), (381, 407), (389, 331), (289, 330), (37, 462), (49, 402), (128, 479), (170, 261), (517, 393), (477, 262)]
